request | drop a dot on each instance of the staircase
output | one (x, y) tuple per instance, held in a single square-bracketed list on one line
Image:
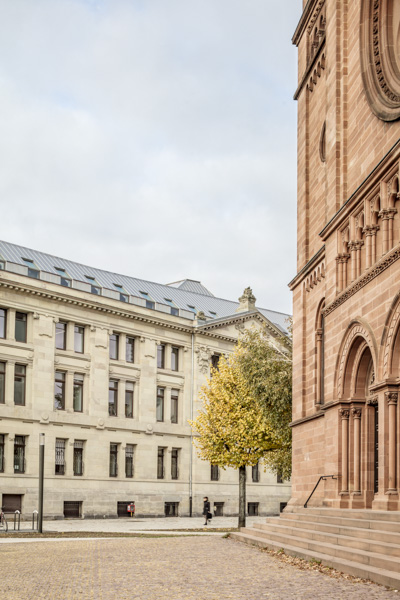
[(363, 543)]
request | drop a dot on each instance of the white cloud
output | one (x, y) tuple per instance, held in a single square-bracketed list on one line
[(153, 138)]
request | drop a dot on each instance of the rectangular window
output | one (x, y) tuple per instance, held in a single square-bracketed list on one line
[(113, 398), (60, 457), (59, 391), (252, 509), (130, 350), (2, 382), (129, 460), (160, 463), (3, 323), (279, 478), (19, 454), (174, 405), (160, 404), (255, 473), (65, 278), (21, 320), (19, 385), (174, 463), (214, 473), (174, 358), (79, 338), (61, 336), (219, 509), (2, 453), (214, 361), (78, 457), (160, 356), (114, 342), (113, 460), (78, 392), (171, 509), (129, 387)]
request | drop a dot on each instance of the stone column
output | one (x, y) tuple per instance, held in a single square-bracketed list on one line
[(318, 341), (358, 245), (339, 274), (344, 415), (385, 233), (345, 258), (353, 253), (357, 450), (390, 212), (391, 398), (11, 324), (368, 246)]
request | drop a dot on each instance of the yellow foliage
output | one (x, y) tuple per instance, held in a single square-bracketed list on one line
[(231, 429)]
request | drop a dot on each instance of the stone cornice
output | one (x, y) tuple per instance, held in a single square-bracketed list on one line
[(132, 315), (372, 179), (308, 267), (309, 69), (317, 415), (362, 281), (242, 318), (310, 13)]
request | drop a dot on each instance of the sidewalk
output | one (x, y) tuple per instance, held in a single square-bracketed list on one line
[(132, 525)]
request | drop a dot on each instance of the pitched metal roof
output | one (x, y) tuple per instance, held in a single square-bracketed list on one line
[(190, 296)]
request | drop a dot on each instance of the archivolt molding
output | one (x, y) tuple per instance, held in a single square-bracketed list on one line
[(357, 328), (379, 55), (389, 335)]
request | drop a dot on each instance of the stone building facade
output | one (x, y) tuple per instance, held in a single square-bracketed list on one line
[(346, 414), (108, 367)]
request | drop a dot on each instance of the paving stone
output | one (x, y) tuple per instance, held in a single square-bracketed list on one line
[(195, 568)]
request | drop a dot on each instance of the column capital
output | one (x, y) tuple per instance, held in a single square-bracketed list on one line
[(344, 413), (391, 397), (356, 412), (372, 401)]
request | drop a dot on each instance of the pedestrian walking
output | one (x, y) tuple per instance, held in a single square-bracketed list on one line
[(206, 510)]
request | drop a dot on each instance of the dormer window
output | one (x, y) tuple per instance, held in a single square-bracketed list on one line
[(123, 296), (33, 270), (192, 308), (174, 309), (149, 302), (65, 278), (94, 286)]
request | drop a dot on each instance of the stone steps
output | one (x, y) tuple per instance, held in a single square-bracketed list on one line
[(363, 543)]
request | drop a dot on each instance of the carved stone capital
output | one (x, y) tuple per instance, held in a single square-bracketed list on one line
[(372, 401), (391, 397), (344, 414), (356, 412)]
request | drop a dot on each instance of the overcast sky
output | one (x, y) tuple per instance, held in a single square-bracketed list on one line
[(154, 138)]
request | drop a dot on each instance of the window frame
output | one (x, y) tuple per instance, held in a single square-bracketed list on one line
[(2, 450), (23, 376), (175, 358), (129, 392), (62, 324), (160, 462), (214, 473), (79, 330), (175, 463), (78, 384), (174, 403), (160, 404), (130, 343), (129, 456), (60, 445), (23, 447), (114, 390), (113, 460), (114, 346), (60, 378), (25, 329), (2, 382), (78, 451), (3, 321), (161, 356)]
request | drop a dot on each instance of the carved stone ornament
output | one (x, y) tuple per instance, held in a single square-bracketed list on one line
[(380, 56), (200, 315), (247, 301), (356, 412), (372, 401), (203, 358), (391, 397), (344, 413)]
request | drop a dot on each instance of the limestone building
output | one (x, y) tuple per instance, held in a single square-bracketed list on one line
[(108, 367), (346, 416)]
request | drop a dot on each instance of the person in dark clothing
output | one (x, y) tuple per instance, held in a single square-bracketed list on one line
[(206, 509)]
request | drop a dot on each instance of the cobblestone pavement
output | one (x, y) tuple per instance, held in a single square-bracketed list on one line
[(196, 568)]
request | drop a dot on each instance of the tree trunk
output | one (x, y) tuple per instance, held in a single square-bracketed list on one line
[(242, 497)]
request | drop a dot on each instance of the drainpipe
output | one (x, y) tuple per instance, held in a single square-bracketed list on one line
[(191, 436)]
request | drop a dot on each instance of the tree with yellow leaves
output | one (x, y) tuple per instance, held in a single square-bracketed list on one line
[(232, 429)]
